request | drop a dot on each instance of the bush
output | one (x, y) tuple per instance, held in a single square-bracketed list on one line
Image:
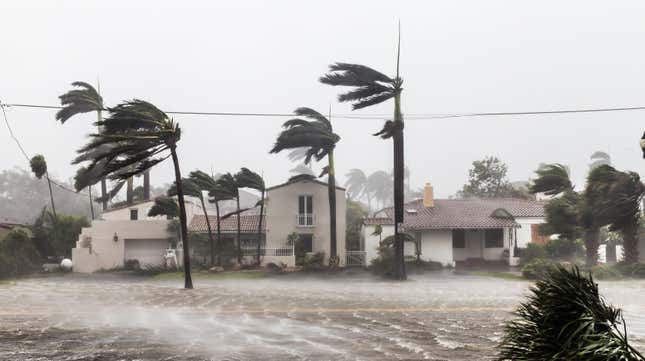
[(421, 266), (132, 265), (314, 261), (537, 268), (563, 249), (606, 272), (531, 252), (383, 264), (18, 255), (636, 270), (273, 268)]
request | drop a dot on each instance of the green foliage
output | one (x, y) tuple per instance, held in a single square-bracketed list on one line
[(606, 272), (635, 270), (487, 179), (383, 265), (76, 101), (564, 318), (354, 222), (314, 262), (562, 215), (419, 265), (57, 237), (38, 165), (537, 268), (18, 255), (531, 252), (164, 207), (563, 249), (552, 179)]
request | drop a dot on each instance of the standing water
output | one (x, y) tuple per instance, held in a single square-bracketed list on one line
[(104, 317)]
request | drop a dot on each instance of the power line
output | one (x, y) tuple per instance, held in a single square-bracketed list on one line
[(24, 153)]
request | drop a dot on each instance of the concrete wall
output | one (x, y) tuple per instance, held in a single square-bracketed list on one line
[(107, 253), (436, 245), (524, 232), (282, 210), (193, 206)]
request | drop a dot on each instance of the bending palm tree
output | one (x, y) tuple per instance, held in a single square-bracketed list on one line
[(228, 184), (78, 101), (318, 137), (357, 186), (371, 88), (39, 168), (217, 194), (206, 183), (138, 136), (249, 179)]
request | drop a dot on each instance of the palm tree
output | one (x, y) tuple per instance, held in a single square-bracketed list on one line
[(357, 185), (552, 180), (371, 88), (229, 185), (139, 136), (164, 207), (83, 100), (380, 185), (317, 135), (565, 318), (599, 158), (216, 194), (249, 179), (39, 168)]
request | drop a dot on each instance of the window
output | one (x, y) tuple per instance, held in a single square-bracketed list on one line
[(134, 214), (307, 242), (458, 238), (305, 211), (494, 238)]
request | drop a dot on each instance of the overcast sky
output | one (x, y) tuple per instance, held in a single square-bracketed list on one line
[(266, 56)]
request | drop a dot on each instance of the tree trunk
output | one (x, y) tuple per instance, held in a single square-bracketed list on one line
[(210, 232), (129, 192), (260, 228), (51, 197), (239, 232), (104, 201), (188, 281), (592, 243), (219, 235), (331, 189), (399, 174), (630, 242), (146, 185), (89, 191)]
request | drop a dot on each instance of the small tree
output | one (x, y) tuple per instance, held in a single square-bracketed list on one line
[(487, 179), (39, 168)]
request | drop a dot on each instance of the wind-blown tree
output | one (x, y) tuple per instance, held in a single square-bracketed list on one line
[(228, 184), (318, 137), (217, 194), (39, 168), (138, 136), (249, 179), (565, 318), (194, 189), (207, 183), (370, 88), (164, 207), (83, 99), (379, 184), (357, 186)]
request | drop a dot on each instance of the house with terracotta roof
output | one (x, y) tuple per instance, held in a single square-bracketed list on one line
[(452, 231)]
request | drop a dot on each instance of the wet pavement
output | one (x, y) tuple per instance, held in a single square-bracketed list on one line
[(106, 317)]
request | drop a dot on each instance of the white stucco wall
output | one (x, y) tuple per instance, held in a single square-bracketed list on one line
[(524, 232), (193, 206), (436, 245), (282, 211), (372, 242)]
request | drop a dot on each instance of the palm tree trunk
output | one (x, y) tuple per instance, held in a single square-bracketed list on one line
[(219, 235), (51, 196), (239, 233), (630, 242), (260, 228), (210, 232), (592, 243), (188, 281), (399, 173), (331, 188), (129, 192), (146, 185), (89, 191), (104, 202)]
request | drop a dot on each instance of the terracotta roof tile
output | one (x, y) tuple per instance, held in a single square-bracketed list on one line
[(248, 224), (461, 213)]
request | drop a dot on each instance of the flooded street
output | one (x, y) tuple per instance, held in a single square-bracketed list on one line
[(105, 317)]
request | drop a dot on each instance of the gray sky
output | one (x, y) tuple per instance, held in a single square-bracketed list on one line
[(261, 56)]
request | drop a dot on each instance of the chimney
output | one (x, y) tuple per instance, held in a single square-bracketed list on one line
[(428, 196)]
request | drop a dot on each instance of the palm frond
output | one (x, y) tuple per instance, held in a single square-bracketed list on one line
[(189, 187), (373, 100), (77, 101), (552, 179), (246, 178), (38, 165), (164, 207), (346, 74)]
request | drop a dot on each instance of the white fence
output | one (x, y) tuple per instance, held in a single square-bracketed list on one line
[(273, 252), (356, 258)]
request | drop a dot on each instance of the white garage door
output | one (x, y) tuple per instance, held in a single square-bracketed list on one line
[(146, 251)]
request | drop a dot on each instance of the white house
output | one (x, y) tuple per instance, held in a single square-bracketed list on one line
[(451, 231), (300, 206)]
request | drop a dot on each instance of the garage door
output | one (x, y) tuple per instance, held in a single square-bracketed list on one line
[(146, 251)]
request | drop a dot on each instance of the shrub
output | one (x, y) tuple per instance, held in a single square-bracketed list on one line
[(564, 318), (132, 265), (421, 265), (563, 249), (273, 268), (18, 255), (636, 270), (531, 252), (605, 272), (314, 261), (537, 268)]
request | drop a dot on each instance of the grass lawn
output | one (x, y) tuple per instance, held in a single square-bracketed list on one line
[(497, 274)]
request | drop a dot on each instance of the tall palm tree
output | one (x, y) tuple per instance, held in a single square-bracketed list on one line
[(207, 183), (228, 183), (357, 185), (371, 88), (249, 179), (317, 135), (194, 189), (380, 185), (164, 207), (139, 136), (218, 194), (83, 99), (39, 168)]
